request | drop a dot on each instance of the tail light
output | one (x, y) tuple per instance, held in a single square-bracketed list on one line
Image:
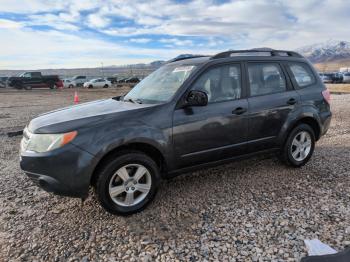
[(326, 95)]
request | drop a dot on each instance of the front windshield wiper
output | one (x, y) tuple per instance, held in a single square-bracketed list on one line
[(135, 101)]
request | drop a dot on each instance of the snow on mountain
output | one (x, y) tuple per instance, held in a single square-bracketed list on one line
[(326, 52)]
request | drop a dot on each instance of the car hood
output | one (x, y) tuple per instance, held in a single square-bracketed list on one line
[(74, 117)]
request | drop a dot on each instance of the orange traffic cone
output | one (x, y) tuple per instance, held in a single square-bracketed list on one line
[(76, 97)]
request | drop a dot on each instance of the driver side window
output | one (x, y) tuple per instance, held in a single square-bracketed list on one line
[(221, 83)]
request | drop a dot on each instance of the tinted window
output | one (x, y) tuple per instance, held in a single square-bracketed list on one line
[(265, 79), (302, 74), (220, 83), (36, 74)]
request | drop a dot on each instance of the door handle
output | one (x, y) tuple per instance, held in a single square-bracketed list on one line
[(292, 101), (239, 111)]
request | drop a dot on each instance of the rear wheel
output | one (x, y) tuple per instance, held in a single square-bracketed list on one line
[(299, 146), (90, 86), (127, 183), (105, 86)]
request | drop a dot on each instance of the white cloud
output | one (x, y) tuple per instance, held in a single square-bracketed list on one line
[(98, 21), (140, 40), (200, 26), (54, 49), (4, 23), (60, 22), (176, 41)]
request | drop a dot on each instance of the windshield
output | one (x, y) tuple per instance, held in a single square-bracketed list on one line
[(161, 85)]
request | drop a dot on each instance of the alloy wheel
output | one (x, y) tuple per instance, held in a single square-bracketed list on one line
[(130, 184), (301, 146)]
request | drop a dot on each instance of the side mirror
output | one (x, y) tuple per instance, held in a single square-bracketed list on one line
[(196, 98)]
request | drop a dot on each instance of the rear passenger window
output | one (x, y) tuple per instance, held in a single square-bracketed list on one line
[(221, 83), (265, 79), (302, 74)]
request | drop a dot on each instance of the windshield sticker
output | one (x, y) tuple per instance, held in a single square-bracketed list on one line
[(183, 69)]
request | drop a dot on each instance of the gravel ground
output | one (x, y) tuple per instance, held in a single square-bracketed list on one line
[(252, 210)]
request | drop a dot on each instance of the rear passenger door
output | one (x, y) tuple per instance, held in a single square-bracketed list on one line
[(271, 99)]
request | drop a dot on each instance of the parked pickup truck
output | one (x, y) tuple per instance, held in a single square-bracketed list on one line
[(29, 80)]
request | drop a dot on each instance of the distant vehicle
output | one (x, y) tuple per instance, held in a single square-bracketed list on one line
[(67, 83), (78, 81), (112, 79), (122, 80), (29, 80), (98, 82), (3, 82), (132, 80), (346, 77), (344, 69), (337, 78), (326, 78)]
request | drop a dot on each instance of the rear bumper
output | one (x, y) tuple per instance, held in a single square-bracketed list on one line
[(325, 118), (65, 171)]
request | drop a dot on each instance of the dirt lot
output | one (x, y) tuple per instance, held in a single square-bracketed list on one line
[(339, 88), (252, 210)]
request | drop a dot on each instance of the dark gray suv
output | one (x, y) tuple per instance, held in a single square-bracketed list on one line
[(189, 114)]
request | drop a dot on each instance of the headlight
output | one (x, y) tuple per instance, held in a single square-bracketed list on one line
[(46, 142)]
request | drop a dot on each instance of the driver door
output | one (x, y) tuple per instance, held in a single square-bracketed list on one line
[(217, 131)]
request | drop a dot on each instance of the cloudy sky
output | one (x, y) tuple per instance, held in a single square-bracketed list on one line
[(84, 33)]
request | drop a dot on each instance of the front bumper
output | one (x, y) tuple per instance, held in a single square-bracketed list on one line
[(65, 171)]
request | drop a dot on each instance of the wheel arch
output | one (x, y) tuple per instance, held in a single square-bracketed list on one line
[(309, 120), (146, 148)]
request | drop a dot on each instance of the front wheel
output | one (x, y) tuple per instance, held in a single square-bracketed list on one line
[(105, 86), (299, 146), (128, 183)]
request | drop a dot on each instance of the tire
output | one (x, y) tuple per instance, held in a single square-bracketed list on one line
[(51, 85), (297, 156), (90, 86), (18, 85), (105, 86), (110, 176), (70, 86)]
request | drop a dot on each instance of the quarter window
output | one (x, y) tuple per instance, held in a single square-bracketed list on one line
[(221, 83), (265, 79), (302, 74)]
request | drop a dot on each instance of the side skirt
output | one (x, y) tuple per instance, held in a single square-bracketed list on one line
[(177, 172)]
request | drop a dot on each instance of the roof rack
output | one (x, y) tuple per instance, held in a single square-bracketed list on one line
[(256, 52), (185, 57)]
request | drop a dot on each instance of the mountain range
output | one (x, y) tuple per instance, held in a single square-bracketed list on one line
[(329, 51)]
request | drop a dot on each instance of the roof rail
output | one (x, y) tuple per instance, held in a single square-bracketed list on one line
[(256, 52), (185, 57)]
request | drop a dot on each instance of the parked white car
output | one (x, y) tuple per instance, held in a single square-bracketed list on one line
[(97, 82), (346, 77), (67, 83), (78, 80)]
